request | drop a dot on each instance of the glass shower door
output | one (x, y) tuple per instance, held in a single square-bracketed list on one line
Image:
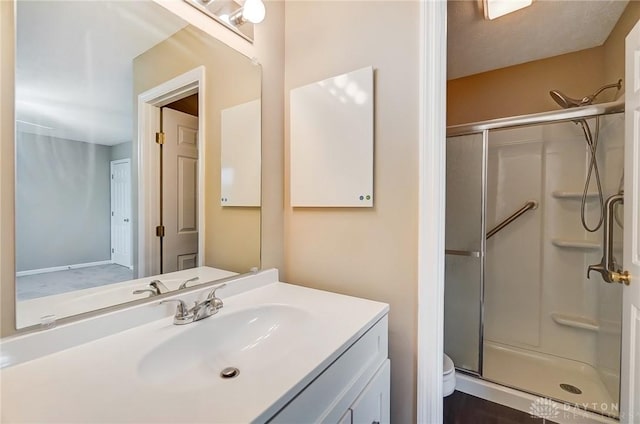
[(464, 255)]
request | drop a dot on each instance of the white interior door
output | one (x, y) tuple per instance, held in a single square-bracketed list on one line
[(180, 191), (630, 366), (121, 212)]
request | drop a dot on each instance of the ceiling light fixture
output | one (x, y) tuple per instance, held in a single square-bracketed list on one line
[(496, 8), (252, 11), (240, 16)]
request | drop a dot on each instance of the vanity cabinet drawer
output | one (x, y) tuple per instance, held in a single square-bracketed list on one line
[(372, 406), (329, 397)]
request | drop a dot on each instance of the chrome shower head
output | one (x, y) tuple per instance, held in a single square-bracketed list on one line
[(566, 102), (563, 100)]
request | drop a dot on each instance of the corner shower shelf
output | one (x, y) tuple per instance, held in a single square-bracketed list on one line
[(576, 244), (575, 322), (573, 195)]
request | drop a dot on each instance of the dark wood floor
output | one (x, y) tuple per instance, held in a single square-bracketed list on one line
[(461, 408)]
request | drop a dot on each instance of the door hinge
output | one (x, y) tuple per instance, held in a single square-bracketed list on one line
[(112, 214), (160, 138), (160, 231), (113, 250)]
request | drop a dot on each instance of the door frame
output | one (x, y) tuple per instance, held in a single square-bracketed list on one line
[(431, 209), (148, 172), (111, 164)]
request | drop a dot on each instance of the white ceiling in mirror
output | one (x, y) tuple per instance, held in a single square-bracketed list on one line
[(547, 28), (53, 101)]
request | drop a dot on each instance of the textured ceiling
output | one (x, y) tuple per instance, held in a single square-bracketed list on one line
[(74, 69), (547, 28)]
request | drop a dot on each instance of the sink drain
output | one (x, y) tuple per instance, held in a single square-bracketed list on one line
[(571, 389), (229, 372)]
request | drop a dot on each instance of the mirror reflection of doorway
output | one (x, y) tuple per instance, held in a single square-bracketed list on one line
[(121, 213), (179, 185)]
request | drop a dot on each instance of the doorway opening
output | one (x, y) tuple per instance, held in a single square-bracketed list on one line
[(171, 178), (121, 212), (179, 185)]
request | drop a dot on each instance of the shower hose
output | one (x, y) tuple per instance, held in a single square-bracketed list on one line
[(592, 143)]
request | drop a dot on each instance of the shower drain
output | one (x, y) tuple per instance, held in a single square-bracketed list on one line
[(571, 389)]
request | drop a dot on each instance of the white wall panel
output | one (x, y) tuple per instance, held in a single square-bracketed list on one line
[(332, 141), (241, 155)]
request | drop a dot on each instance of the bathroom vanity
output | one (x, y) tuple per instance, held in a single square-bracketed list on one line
[(275, 352)]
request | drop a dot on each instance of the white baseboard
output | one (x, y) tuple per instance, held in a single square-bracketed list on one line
[(61, 268)]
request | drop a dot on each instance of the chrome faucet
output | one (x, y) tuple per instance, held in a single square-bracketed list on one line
[(190, 280), (201, 310), (155, 288)]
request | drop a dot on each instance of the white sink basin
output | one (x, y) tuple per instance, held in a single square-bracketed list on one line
[(251, 340)]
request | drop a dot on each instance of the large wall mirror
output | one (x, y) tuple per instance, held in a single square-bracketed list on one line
[(108, 211)]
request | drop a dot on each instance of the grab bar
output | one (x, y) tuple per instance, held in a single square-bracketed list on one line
[(530, 205)]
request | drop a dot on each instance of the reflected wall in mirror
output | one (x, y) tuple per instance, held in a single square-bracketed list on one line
[(81, 154)]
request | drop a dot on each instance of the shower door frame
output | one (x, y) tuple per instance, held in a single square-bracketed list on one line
[(483, 127), (562, 115), (483, 245), (482, 251)]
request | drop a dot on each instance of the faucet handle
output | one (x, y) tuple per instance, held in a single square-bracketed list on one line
[(183, 314), (159, 287), (212, 293), (151, 292), (190, 280), (215, 302)]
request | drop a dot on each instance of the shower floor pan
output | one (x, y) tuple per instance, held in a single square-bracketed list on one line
[(542, 374)]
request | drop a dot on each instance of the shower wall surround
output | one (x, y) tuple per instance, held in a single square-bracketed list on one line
[(537, 294)]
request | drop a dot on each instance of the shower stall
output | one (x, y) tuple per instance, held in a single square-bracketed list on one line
[(521, 233)]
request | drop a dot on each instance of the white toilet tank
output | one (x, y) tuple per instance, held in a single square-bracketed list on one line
[(448, 376)]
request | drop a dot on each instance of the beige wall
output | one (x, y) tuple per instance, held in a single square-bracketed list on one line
[(268, 48), (524, 88), (7, 264), (232, 238), (370, 253)]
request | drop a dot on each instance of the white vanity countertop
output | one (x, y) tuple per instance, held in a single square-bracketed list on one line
[(113, 380)]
